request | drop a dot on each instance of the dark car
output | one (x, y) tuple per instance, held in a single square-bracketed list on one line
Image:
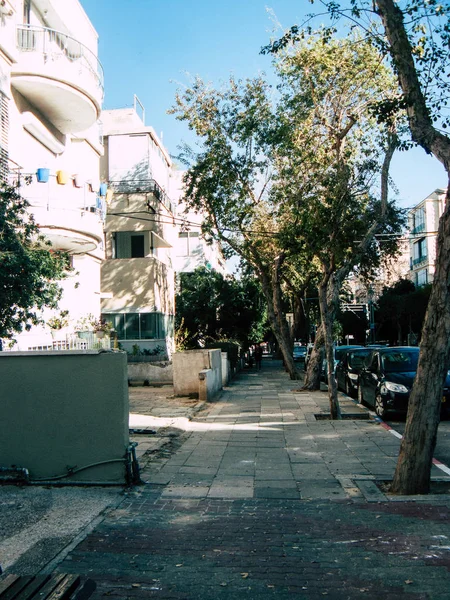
[(299, 353), (339, 352), (348, 369), (386, 379)]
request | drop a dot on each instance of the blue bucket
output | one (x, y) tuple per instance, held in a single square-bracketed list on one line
[(43, 175)]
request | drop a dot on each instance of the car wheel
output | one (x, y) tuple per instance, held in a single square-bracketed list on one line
[(380, 407), (348, 389), (360, 395)]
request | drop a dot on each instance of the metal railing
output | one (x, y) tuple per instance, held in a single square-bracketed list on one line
[(144, 186), (54, 44), (421, 259), (418, 228)]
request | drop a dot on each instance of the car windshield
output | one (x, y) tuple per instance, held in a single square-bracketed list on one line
[(356, 359), (400, 361)]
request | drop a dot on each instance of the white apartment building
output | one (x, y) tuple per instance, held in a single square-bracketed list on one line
[(191, 249), (138, 274), (51, 92), (423, 222)]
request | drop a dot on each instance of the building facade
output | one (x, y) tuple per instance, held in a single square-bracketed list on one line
[(423, 222), (191, 249), (51, 92), (138, 274)]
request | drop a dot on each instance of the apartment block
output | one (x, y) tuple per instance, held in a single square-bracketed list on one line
[(51, 93), (423, 222), (138, 274)]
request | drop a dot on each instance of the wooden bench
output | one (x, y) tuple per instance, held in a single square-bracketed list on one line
[(45, 587)]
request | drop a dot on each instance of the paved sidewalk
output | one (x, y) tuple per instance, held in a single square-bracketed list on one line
[(257, 496), (261, 500)]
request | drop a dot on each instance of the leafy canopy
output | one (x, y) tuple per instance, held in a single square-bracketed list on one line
[(29, 269)]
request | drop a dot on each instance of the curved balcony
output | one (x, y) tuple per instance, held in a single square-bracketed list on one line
[(60, 76)]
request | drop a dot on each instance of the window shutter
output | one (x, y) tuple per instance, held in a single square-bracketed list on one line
[(4, 130)]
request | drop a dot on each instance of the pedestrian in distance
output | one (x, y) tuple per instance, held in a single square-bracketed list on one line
[(258, 356)]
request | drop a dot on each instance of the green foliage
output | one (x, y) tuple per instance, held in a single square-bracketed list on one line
[(400, 311), (29, 268), (58, 322), (211, 307), (233, 349)]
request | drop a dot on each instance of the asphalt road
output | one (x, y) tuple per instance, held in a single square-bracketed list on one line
[(442, 451)]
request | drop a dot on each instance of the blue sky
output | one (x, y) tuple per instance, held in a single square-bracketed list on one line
[(149, 47)]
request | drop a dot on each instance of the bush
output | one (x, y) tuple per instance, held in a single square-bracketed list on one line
[(232, 348)]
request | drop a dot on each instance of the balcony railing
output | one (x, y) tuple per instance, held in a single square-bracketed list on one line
[(419, 260), (54, 44), (145, 186), (418, 229)]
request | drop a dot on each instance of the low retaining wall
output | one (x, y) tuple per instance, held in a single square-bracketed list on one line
[(151, 372), (65, 410), (187, 367)]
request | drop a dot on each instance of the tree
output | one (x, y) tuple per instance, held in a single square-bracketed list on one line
[(416, 38), (333, 142), (211, 307), (230, 180), (400, 311), (29, 269)]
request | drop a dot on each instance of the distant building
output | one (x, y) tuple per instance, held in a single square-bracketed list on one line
[(51, 92), (191, 249), (138, 274), (423, 221)]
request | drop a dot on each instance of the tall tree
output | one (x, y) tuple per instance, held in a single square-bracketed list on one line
[(416, 38), (29, 269), (230, 180), (332, 142)]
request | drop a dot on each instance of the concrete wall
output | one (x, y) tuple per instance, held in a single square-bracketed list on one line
[(225, 369), (187, 366), (152, 372), (64, 409)]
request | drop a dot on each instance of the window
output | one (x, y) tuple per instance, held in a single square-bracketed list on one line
[(137, 246), (189, 243), (422, 277), (141, 326), (132, 245), (4, 131), (420, 250), (419, 220), (26, 12)]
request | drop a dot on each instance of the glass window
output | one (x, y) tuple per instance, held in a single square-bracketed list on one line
[(137, 246), (400, 361), (130, 245), (149, 326), (356, 359), (140, 326), (189, 243), (419, 219), (131, 326), (422, 277)]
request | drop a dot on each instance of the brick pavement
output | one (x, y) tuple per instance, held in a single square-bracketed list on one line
[(261, 500)]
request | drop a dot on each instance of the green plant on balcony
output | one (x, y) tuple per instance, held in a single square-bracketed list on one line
[(59, 321), (101, 327)]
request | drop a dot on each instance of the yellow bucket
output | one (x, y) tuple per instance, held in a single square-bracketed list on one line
[(62, 177)]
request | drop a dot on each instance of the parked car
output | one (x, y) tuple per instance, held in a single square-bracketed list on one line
[(299, 353), (338, 353), (348, 369), (386, 379)]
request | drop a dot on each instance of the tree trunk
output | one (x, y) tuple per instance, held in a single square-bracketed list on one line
[(412, 475), (312, 377), (326, 292), (276, 318)]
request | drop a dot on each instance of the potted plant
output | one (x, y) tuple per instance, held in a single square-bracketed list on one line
[(84, 327), (57, 322), (101, 327)]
